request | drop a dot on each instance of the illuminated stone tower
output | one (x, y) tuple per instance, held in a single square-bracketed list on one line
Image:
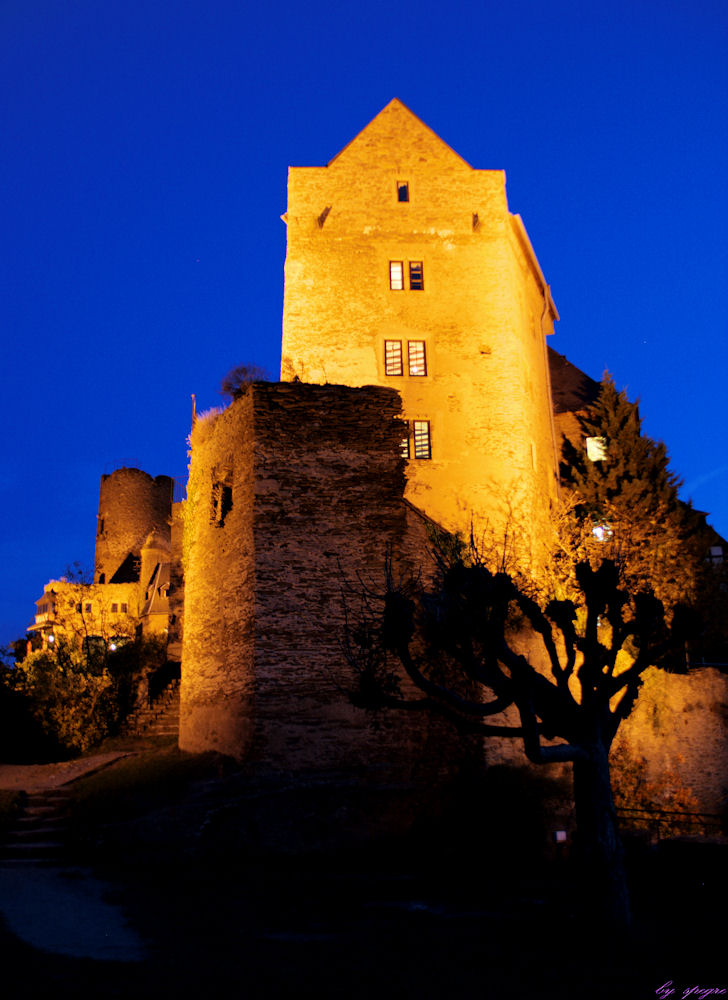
[(131, 505), (404, 268)]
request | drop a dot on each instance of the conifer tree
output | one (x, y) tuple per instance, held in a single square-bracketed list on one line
[(633, 476), (625, 502)]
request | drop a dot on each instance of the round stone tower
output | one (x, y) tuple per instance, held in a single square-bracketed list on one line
[(132, 504)]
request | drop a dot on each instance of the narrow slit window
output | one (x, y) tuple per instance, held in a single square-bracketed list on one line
[(416, 358), (222, 503), (402, 190), (421, 430), (396, 275), (416, 276), (404, 448), (393, 357)]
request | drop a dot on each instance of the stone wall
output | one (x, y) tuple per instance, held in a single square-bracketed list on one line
[(317, 486), (131, 505), (680, 727), (483, 314)]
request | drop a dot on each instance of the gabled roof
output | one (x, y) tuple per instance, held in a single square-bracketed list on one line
[(572, 390), (396, 116)]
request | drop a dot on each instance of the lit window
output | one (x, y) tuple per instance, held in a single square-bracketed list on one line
[(115, 609), (421, 429), (393, 357), (596, 449), (416, 357), (416, 276), (402, 191), (396, 275), (404, 448)]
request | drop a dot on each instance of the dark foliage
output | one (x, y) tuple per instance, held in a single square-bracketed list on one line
[(237, 379)]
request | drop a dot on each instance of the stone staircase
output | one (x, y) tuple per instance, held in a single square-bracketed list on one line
[(37, 836), (160, 718)]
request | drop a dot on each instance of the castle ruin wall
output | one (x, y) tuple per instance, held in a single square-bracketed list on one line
[(316, 500), (131, 505)]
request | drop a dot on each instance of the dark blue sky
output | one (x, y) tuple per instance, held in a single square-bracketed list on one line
[(145, 148)]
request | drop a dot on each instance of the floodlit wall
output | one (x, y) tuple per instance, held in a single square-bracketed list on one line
[(483, 313), (678, 727), (131, 505), (316, 485)]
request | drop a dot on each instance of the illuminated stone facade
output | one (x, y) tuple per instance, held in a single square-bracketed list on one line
[(295, 492), (137, 569), (405, 268)]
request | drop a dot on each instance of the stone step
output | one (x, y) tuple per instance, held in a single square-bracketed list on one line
[(37, 833), (17, 834)]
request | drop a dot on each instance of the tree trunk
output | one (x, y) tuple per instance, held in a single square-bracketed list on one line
[(599, 847)]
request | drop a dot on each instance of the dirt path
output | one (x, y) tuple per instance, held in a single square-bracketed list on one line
[(36, 777)]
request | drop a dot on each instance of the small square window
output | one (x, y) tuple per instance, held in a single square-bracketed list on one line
[(124, 609), (88, 609), (402, 190), (393, 357), (396, 275), (114, 609), (596, 449), (416, 276), (416, 359), (78, 609), (421, 430), (404, 448)]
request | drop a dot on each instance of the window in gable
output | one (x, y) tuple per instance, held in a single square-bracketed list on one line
[(416, 359), (393, 357), (416, 276), (402, 190), (396, 275), (421, 433)]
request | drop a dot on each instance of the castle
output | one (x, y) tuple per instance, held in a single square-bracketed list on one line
[(416, 388), (137, 583)]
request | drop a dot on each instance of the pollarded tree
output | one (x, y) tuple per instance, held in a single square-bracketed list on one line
[(458, 644)]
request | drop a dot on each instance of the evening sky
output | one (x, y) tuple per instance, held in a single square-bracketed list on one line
[(143, 175)]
